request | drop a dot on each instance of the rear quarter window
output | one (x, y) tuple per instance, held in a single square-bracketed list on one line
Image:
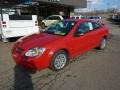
[(96, 25)]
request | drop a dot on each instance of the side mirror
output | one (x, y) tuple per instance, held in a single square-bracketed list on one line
[(79, 34)]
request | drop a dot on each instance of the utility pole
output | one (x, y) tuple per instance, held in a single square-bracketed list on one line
[(1, 19), (89, 5), (108, 7)]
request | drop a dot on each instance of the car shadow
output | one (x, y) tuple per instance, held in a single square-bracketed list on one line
[(22, 79)]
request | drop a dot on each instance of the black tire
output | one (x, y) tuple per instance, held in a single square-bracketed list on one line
[(54, 60), (43, 25), (102, 44)]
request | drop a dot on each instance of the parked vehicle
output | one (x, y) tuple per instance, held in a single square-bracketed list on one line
[(51, 19), (17, 25), (115, 18), (95, 18), (61, 41), (78, 17)]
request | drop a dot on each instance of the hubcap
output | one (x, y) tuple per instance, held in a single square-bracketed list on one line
[(60, 61), (103, 44)]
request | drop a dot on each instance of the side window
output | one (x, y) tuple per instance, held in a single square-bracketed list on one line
[(50, 18), (72, 17), (84, 28), (53, 18), (66, 17), (96, 25), (57, 18)]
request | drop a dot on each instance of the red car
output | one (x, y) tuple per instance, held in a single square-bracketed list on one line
[(61, 41)]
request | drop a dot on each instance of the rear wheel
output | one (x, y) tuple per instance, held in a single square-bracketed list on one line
[(59, 60), (3, 39), (103, 44)]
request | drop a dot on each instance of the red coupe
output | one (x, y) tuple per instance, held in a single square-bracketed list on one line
[(59, 42)]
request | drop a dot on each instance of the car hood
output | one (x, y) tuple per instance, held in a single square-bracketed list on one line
[(37, 40)]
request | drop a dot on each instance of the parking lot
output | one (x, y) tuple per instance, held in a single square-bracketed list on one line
[(95, 70)]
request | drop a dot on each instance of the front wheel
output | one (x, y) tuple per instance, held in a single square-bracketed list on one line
[(59, 60)]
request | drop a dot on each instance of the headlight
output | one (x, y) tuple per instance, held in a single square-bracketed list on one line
[(35, 52)]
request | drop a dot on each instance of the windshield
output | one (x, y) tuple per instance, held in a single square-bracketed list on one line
[(61, 28)]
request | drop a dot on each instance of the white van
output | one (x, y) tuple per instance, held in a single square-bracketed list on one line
[(17, 25)]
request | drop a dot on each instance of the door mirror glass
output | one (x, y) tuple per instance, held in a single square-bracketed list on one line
[(83, 28), (79, 33)]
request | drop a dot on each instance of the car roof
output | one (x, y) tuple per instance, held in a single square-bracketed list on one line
[(55, 15), (83, 20), (76, 16), (78, 20)]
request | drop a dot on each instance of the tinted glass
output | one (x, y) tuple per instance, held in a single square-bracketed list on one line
[(73, 17), (90, 17), (66, 17), (84, 28), (77, 17), (50, 18), (54, 18), (57, 18), (96, 25)]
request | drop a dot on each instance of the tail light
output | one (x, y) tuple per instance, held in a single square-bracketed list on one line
[(4, 24), (36, 23)]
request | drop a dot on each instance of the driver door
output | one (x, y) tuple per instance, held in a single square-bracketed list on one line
[(82, 39)]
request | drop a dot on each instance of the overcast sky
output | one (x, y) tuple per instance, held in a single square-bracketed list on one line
[(101, 5)]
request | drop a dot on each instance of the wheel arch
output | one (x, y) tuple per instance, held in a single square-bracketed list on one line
[(64, 49), (61, 49), (54, 53)]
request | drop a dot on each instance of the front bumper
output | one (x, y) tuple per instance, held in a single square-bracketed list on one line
[(36, 63)]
